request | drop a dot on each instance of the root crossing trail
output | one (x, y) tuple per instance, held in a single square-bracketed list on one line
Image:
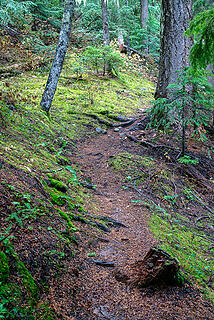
[(98, 295)]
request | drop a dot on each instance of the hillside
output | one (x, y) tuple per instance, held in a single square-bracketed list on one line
[(76, 188)]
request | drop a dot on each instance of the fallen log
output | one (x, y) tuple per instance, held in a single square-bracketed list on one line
[(94, 116), (5, 30), (125, 49)]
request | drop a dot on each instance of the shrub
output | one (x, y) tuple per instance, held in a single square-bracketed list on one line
[(98, 58)]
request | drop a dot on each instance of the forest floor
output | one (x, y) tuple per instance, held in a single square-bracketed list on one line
[(64, 178), (99, 295)]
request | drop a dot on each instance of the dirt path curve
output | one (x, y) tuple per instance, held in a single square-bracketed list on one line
[(99, 296)]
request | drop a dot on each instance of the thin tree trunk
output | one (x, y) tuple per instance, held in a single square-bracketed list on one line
[(176, 15), (144, 12), (59, 57), (106, 37)]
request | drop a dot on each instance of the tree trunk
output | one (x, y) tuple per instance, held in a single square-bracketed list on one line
[(176, 15), (144, 12), (59, 57), (106, 37)]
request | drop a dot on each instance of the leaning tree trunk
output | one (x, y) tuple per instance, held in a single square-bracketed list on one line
[(176, 15), (59, 57)]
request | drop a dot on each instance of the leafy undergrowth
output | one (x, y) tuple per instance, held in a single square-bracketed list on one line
[(42, 197), (179, 215)]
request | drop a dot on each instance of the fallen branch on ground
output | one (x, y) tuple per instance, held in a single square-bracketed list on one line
[(102, 263)]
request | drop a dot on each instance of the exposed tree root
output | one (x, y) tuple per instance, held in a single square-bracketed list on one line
[(110, 124), (149, 144)]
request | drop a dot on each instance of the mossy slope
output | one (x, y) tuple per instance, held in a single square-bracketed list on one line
[(40, 181)]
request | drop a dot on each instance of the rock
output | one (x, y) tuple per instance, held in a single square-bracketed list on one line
[(99, 130), (116, 129), (157, 267), (104, 131)]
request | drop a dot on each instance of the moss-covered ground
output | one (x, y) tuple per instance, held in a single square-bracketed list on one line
[(43, 201), (174, 203), (40, 180)]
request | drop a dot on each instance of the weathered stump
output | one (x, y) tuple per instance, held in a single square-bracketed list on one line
[(157, 267)]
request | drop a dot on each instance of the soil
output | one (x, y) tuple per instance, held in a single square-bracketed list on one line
[(98, 295)]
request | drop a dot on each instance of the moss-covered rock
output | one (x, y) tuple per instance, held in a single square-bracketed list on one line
[(4, 267)]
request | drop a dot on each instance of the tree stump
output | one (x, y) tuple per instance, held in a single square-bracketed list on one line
[(157, 267)]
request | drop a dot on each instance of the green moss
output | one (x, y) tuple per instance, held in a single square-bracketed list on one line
[(190, 250), (126, 161), (4, 267), (58, 185), (68, 219), (44, 312), (62, 160), (29, 283), (56, 197)]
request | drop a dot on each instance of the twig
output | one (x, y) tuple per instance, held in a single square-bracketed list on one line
[(201, 218), (210, 210)]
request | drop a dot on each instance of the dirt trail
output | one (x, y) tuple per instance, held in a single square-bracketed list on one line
[(99, 296)]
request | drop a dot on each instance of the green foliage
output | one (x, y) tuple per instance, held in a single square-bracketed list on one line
[(4, 267), (125, 18), (189, 249), (29, 283), (96, 58), (65, 216), (190, 104), (23, 209), (177, 231), (15, 11), (201, 28), (187, 160)]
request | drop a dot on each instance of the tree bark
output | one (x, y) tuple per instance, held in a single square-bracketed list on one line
[(59, 57), (106, 37), (144, 12), (176, 15)]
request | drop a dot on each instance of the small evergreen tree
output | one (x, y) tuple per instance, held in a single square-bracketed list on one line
[(188, 108), (201, 28)]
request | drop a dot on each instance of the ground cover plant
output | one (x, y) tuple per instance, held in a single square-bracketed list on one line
[(106, 160), (44, 190)]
